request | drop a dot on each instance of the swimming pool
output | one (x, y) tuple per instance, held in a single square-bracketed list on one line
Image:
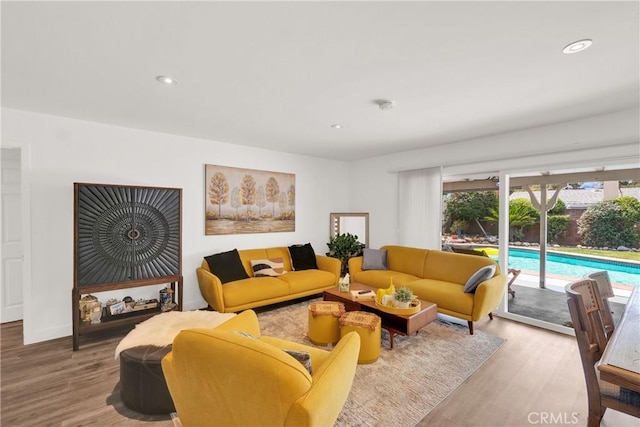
[(574, 266)]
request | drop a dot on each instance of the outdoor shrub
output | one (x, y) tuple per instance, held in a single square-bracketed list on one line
[(611, 223), (470, 205), (521, 214), (522, 211), (459, 224), (559, 208), (630, 208), (557, 227)]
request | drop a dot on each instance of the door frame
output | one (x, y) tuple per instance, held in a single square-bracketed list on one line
[(25, 189)]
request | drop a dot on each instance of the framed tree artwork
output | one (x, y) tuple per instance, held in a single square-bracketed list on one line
[(239, 201)]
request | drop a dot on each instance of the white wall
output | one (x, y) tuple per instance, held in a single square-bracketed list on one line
[(607, 140), (63, 151)]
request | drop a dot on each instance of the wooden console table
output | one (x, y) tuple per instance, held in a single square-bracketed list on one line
[(81, 328)]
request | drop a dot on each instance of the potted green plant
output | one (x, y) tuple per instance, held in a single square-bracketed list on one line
[(343, 247), (403, 297)]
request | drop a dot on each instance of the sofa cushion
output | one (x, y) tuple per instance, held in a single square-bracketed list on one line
[(484, 273), (452, 267), (405, 259), (254, 289), (382, 278), (227, 266), (374, 259), (308, 280), (446, 295), (267, 267), (303, 257)]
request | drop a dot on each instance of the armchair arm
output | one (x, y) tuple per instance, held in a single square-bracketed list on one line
[(330, 388), (211, 289), (247, 321), (332, 265), (355, 265), (487, 296)]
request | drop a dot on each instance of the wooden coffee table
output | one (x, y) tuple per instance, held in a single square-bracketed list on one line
[(396, 324)]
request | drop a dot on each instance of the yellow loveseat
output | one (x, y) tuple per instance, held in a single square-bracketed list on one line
[(438, 277), (254, 292), (224, 378)]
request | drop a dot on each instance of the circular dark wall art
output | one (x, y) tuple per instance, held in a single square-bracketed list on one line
[(127, 233)]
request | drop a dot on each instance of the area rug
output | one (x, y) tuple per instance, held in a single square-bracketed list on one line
[(405, 383)]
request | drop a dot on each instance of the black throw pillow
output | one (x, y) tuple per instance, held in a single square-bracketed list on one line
[(227, 266), (303, 257)]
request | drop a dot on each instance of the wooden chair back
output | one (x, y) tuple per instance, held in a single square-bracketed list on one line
[(606, 291), (585, 307)]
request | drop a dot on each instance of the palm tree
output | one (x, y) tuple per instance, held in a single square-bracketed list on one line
[(521, 214)]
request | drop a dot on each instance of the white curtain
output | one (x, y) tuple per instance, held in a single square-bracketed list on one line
[(420, 208)]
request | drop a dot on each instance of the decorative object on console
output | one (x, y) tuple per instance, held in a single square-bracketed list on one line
[(240, 201), (166, 299), (85, 302), (95, 312), (117, 308)]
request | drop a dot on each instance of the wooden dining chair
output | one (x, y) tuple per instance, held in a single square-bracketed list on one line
[(584, 301), (606, 291)]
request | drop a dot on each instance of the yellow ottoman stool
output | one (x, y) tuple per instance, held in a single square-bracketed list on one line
[(367, 325), (323, 322)]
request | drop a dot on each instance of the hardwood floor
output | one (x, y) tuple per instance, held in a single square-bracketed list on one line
[(535, 378)]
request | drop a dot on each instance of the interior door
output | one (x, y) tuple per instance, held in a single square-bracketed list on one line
[(12, 247)]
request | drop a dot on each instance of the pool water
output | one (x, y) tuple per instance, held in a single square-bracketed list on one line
[(575, 266)]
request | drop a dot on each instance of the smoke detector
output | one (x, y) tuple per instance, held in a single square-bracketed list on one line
[(385, 104)]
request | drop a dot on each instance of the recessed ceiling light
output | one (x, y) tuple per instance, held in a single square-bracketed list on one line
[(578, 46), (167, 80), (336, 126)]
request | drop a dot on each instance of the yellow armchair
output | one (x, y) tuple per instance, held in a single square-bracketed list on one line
[(219, 377)]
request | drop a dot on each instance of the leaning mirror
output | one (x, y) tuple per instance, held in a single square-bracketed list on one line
[(356, 223)]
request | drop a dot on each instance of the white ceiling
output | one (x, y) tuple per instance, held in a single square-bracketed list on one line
[(277, 75)]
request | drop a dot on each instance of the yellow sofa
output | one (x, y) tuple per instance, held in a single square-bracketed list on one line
[(438, 277), (258, 291), (220, 377)]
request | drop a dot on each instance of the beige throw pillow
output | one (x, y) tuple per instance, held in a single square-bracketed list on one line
[(268, 267)]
